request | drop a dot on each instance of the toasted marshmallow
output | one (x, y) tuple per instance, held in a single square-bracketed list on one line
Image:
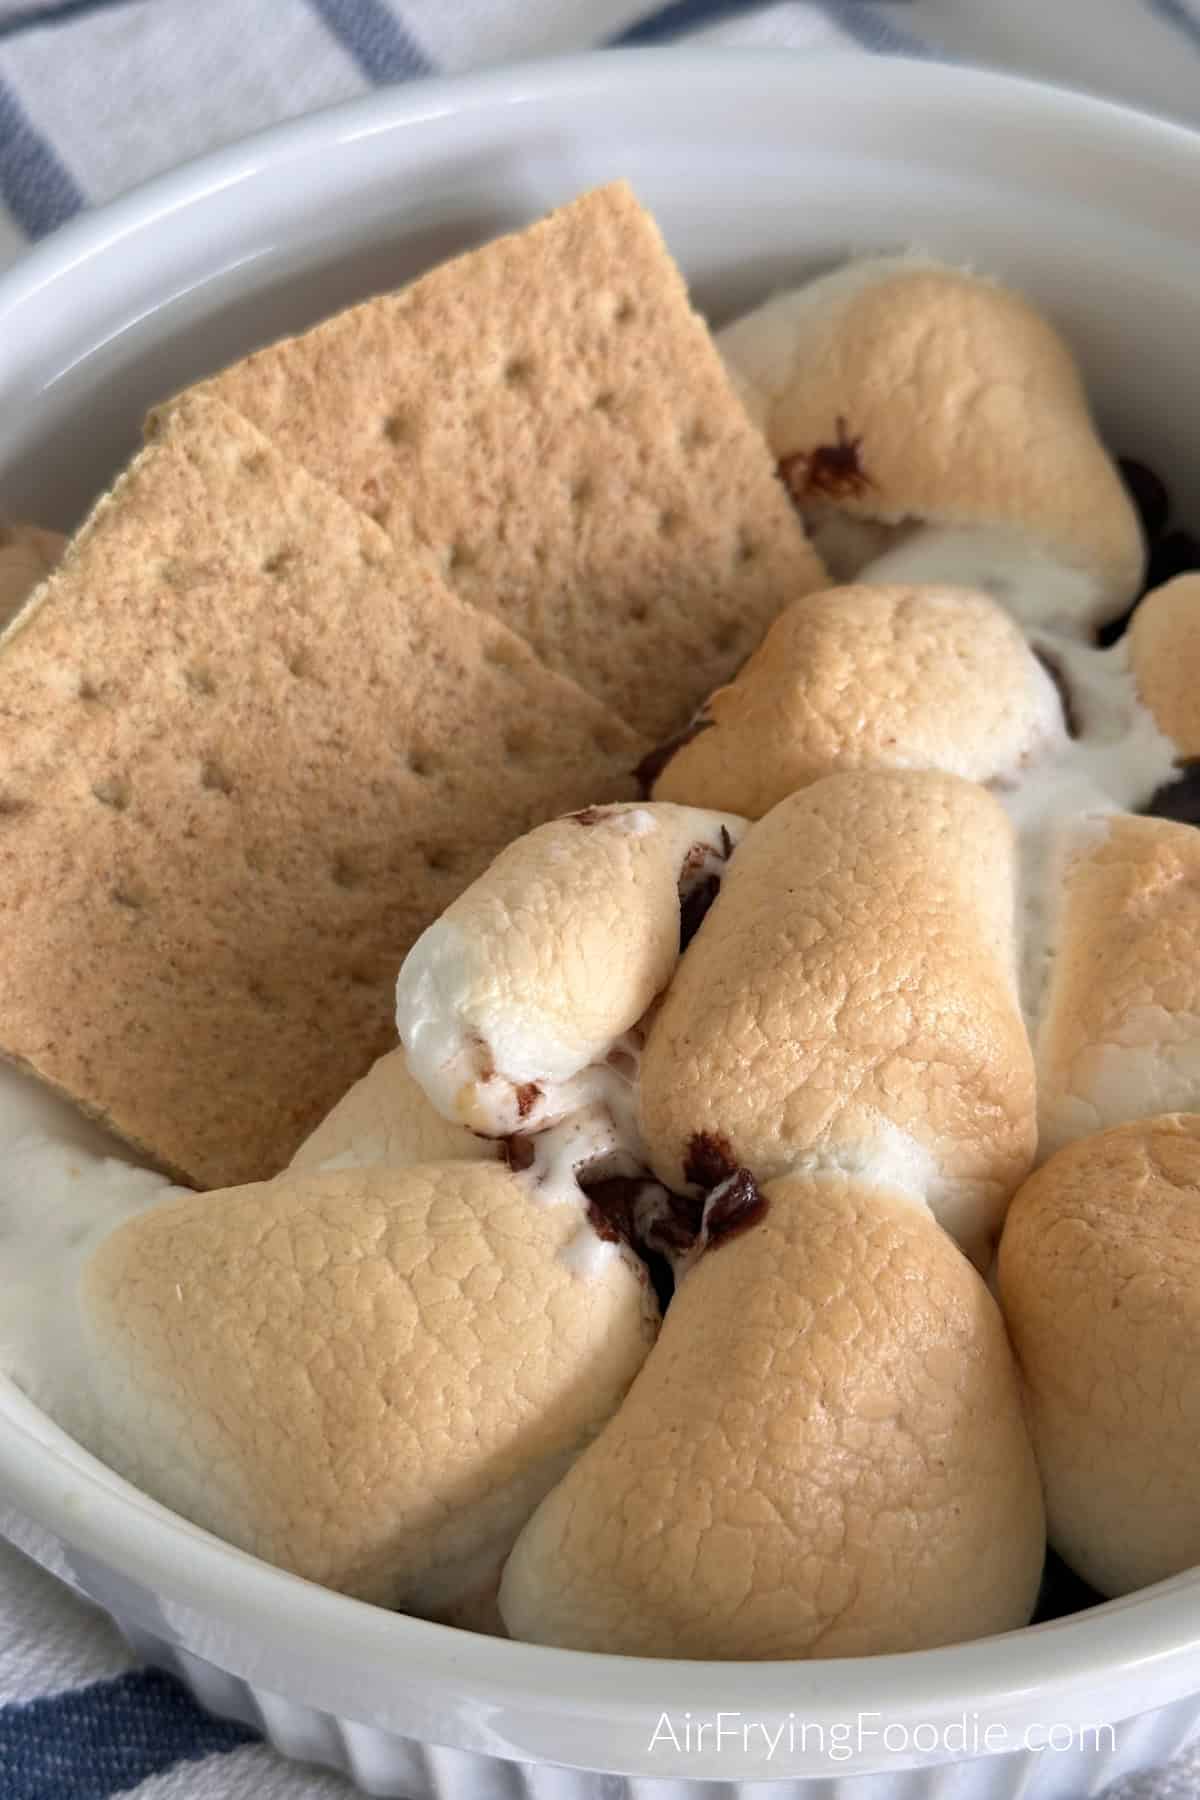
[(369, 1377), (870, 678), (386, 1118), (1119, 1031), (851, 1003), (1099, 1276), (824, 1455), (27, 555), (1164, 655), (531, 978), (925, 400)]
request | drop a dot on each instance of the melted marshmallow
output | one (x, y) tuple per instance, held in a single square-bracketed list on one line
[(599, 1140), (1119, 758), (64, 1186), (1039, 591)]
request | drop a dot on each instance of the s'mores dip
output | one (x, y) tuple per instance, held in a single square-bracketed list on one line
[(598, 959)]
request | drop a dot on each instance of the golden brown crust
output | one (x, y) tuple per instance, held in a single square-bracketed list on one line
[(863, 678), (368, 1377), (1100, 1282), (1164, 653), (959, 402), (387, 1119), (824, 1455), (852, 989), (1120, 1022)]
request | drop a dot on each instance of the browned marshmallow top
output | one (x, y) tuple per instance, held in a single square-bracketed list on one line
[(1100, 1282), (850, 1002), (920, 397), (871, 677)]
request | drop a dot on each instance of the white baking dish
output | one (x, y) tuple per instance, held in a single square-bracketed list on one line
[(758, 167)]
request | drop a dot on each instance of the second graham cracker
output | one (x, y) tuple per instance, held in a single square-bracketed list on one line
[(549, 417)]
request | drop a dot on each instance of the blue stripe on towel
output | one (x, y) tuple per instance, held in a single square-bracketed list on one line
[(104, 1739), (1179, 14), (853, 17), (37, 188), (52, 12), (864, 25), (380, 44), (679, 16)]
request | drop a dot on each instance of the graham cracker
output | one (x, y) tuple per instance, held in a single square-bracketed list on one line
[(252, 750), (552, 420), (27, 555)]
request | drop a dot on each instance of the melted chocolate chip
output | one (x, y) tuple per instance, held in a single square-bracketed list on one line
[(1062, 1592), (737, 1205), (656, 760), (834, 471), (1178, 553), (612, 1207), (709, 1160), (1148, 494), (726, 843), (1107, 635), (694, 908), (676, 1225), (613, 1213), (528, 1095), (1057, 675), (1179, 800), (519, 1152), (588, 816)]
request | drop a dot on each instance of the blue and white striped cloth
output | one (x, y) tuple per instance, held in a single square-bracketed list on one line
[(96, 95)]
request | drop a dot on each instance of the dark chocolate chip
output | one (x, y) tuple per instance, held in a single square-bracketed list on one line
[(1148, 494), (709, 1160), (667, 1231), (676, 1225), (656, 760), (1178, 553), (612, 1207), (1107, 635), (1179, 800), (1062, 1592), (832, 470), (694, 908), (736, 1205), (519, 1152)]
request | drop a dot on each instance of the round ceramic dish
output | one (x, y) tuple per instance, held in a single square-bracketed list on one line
[(758, 168)]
